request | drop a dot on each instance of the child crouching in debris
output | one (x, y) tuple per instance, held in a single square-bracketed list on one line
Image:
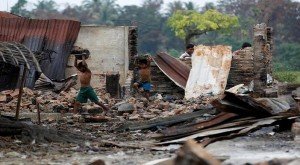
[(86, 91), (145, 77)]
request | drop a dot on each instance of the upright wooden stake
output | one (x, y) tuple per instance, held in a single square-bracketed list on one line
[(38, 112), (20, 93)]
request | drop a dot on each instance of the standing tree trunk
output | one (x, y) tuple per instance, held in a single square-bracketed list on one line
[(188, 39), (190, 35)]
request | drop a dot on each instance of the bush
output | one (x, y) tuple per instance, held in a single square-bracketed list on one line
[(175, 53), (287, 57), (288, 76)]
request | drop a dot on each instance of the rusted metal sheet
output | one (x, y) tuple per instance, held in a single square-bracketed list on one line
[(181, 131), (162, 122), (173, 68), (203, 135), (243, 105), (8, 15), (59, 38), (50, 39), (210, 69), (255, 126)]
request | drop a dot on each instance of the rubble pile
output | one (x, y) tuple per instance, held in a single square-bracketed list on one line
[(48, 101), (133, 108), (158, 107)]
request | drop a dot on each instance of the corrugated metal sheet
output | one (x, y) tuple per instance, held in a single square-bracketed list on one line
[(211, 65), (17, 54), (56, 36), (173, 68), (8, 15)]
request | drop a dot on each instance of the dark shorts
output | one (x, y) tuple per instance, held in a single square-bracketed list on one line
[(86, 93), (145, 85)]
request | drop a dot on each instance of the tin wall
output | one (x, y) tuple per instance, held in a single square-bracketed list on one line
[(56, 36)]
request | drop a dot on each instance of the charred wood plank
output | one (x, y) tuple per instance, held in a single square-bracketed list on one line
[(259, 124), (163, 122), (203, 135), (191, 128)]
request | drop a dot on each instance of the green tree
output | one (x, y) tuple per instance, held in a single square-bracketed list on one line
[(188, 24), (174, 6), (287, 57), (19, 8), (45, 9), (100, 11), (46, 5), (190, 6), (150, 24)]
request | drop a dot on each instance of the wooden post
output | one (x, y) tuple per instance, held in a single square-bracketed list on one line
[(269, 50), (38, 112), (112, 84), (20, 92)]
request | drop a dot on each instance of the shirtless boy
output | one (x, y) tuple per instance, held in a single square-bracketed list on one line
[(145, 78), (86, 91)]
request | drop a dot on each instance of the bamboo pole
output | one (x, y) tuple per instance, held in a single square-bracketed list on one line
[(20, 93)]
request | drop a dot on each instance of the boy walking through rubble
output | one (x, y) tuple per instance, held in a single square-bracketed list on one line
[(145, 77), (86, 91)]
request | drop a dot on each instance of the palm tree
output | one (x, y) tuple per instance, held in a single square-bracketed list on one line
[(45, 9), (20, 8), (46, 5), (174, 6), (190, 6), (101, 11)]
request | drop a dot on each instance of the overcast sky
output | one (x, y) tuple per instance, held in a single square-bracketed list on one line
[(5, 5)]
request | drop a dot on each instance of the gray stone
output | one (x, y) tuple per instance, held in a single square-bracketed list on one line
[(296, 93), (172, 105), (13, 154), (125, 108), (296, 131)]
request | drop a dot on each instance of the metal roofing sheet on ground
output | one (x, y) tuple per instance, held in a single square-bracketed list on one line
[(173, 68)]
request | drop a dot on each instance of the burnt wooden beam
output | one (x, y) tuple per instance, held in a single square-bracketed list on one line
[(20, 93)]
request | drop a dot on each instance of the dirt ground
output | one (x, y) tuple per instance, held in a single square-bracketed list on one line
[(135, 147)]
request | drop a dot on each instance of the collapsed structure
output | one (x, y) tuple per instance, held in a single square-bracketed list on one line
[(51, 39), (207, 114)]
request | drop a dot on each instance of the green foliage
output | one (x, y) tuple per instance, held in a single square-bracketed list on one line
[(149, 22), (156, 34), (100, 11), (19, 8), (214, 38), (46, 5), (175, 53), (287, 57), (288, 76), (190, 23)]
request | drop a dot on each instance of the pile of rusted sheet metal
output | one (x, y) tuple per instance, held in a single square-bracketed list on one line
[(235, 115), (240, 114)]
